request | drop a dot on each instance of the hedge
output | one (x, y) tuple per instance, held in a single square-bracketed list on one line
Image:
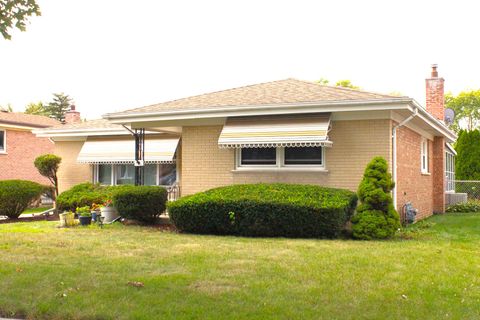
[(269, 210), (16, 195), (469, 206), (142, 203)]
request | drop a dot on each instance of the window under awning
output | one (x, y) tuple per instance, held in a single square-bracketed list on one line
[(304, 130), (157, 150)]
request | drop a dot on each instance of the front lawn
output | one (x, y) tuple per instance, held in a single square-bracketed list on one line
[(84, 273)]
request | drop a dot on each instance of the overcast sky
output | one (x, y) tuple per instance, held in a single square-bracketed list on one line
[(111, 55)]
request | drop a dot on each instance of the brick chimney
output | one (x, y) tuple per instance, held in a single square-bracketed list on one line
[(72, 116), (435, 94)]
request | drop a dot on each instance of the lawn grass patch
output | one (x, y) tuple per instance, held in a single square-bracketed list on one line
[(83, 273)]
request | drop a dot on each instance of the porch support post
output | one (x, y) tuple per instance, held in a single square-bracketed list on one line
[(139, 156)]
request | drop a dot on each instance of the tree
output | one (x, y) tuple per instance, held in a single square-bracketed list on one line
[(37, 108), (15, 14), (7, 108), (346, 84), (323, 81), (47, 165), (59, 106), (467, 109), (467, 162), (376, 218)]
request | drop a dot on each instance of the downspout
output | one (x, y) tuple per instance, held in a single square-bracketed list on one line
[(394, 153)]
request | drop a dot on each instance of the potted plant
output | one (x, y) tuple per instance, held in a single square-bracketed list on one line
[(84, 215), (67, 219), (109, 213), (95, 211)]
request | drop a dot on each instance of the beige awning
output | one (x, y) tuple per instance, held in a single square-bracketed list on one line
[(157, 150), (276, 131)]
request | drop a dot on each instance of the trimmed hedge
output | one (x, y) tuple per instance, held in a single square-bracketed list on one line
[(16, 195), (142, 203), (269, 210)]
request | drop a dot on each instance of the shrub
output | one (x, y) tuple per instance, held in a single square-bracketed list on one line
[(376, 217), (84, 194), (142, 203), (469, 206), (47, 165), (467, 163), (16, 195), (265, 210)]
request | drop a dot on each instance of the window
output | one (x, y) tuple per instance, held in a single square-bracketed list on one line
[(259, 156), (164, 174), (3, 141), (424, 155), (450, 171), (281, 157)]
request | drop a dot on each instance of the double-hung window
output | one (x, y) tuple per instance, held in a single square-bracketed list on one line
[(281, 157), (424, 155), (3, 141)]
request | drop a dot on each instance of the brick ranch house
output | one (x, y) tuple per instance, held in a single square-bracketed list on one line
[(19, 146), (288, 131)]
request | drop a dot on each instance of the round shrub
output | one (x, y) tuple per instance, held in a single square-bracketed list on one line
[(376, 217), (16, 195), (269, 210), (84, 194), (142, 203)]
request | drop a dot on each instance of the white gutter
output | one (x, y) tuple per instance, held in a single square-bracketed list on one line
[(394, 153)]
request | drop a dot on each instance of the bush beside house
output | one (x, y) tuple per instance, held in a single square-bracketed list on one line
[(376, 218), (265, 210), (142, 203), (16, 195)]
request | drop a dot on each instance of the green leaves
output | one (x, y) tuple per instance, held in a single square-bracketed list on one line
[(15, 14), (467, 162), (467, 109), (376, 217)]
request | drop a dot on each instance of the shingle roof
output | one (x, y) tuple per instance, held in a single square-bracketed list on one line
[(90, 124), (29, 120), (270, 93)]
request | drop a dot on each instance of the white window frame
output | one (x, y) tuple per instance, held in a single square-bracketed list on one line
[(113, 181), (280, 163), (4, 149), (424, 155), (449, 172)]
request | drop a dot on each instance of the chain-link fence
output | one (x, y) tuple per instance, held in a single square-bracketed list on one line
[(470, 187)]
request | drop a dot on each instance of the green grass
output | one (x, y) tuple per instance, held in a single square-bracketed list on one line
[(83, 273), (35, 210)]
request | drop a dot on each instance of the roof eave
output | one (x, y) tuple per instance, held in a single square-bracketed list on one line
[(302, 107)]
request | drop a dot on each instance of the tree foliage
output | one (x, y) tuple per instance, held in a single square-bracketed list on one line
[(38, 109), (59, 106), (467, 109), (467, 162), (47, 165), (15, 14), (376, 218), (7, 108), (346, 84)]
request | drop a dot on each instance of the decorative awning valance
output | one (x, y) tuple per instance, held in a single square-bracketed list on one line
[(157, 150), (276, 131)]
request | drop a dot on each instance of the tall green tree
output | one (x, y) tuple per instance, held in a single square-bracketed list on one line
[(467, 162), (38, 109), (59, 106), (467, 109), (15, 14)]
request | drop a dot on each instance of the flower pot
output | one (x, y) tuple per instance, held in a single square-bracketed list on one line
[(109, 214), (85, 220), (67, 219), (94, 215), (63, 219)]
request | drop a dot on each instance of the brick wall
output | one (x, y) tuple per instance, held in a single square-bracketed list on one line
[(412, 185), (355, 143), (71, 172), (22, 149)]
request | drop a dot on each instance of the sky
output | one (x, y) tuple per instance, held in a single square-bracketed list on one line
[(113, 55)]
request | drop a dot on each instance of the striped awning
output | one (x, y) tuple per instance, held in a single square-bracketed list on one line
[(276, 131), (157, 150)]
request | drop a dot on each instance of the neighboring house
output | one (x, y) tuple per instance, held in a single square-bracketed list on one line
[(283, 131), (19, 146)]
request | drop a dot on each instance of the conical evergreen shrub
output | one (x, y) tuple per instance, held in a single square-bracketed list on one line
[(376, 218)]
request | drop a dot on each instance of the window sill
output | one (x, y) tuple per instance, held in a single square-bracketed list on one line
[(284, 169), (426, 174), (3, 152)]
